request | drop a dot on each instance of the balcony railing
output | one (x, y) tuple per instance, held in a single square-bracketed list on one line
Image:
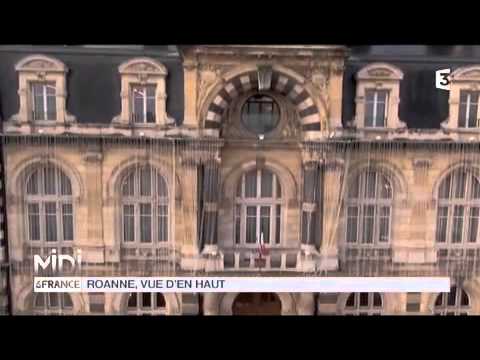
[(248, 259)]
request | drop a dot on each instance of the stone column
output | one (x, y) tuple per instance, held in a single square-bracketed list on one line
[(305, 304)]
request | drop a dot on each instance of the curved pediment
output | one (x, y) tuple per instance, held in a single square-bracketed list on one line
[(382, 71), (40, 63), (471, 73), (144, 66)]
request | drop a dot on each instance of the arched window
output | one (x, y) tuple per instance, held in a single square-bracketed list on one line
[(363, 304), (52, 303), (458, 209), (456, 302), (49, 207), (144, 207), (146, 304), (258, 208), (369, 209)]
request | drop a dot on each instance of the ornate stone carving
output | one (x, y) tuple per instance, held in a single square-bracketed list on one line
[(379, 73)]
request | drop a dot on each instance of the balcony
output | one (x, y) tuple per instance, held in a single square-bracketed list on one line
[(248, 259)]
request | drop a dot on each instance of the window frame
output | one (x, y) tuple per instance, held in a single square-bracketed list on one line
[(258, 202), (360, 202), (45, 85), (467, 109), (375, 107), (141, 310), (41, 200), (275, 105), (144, 121), (369, 309), (451, 203), (457, 308), (48, 309), (155, 201)]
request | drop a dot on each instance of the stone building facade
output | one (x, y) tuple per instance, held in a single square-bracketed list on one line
[(182, 160)]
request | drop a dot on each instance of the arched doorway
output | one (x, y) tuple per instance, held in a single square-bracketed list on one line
[(257, 304)]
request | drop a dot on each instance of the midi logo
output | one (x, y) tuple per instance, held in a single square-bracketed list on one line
[(55, 262)]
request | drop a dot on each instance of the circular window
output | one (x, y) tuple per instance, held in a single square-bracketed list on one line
[(260, 114)]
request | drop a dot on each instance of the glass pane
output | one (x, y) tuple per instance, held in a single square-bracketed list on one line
[(163, 223), (151, 110), (439, 301), (350, 301), (354, 191), (251, 225), (384, 224), (162, 186), (51, 221), (51, 106), (265, 224), (128, 223), (145, 181), (267, 184), (465, 301), (33, 222), (370, 184), (442, 218), (65, 185), (39, 301), (452, 296), (251, 184), (260, 114), (67, 212), (160, 300), (473, 228), (279, 189), (368, 221), (277, 224), (444, 192), (377, 300), (50, 180), (385, 188), (53, 300), (380, 120), (32, 183), (128, 188), (237, 224), (363, 299), (132, 301), (67, 301), (457, 224), (145, 223), (146, 300), (352, 221), (461, 180)]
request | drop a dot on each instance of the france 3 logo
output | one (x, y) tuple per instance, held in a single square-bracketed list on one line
[(442, 79)]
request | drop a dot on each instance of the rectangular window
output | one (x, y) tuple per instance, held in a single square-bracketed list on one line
[(145, 223), (352, 223), (128, 223), (265, 224), (473, 226), (251, 225), (384, 226), (143, 103), (468, 109), (67, 219), (368, 223), (33, 222), (51, 221), (442, 219), (44, 101), (163, 223), (376, 102), (146, 300), (457, 226)]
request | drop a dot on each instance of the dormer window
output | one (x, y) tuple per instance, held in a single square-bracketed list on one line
[(376, 102), (42, 90), (143, 103), (44, 101), (464, 97), (378, 97), (144, 97), (469, 116)]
